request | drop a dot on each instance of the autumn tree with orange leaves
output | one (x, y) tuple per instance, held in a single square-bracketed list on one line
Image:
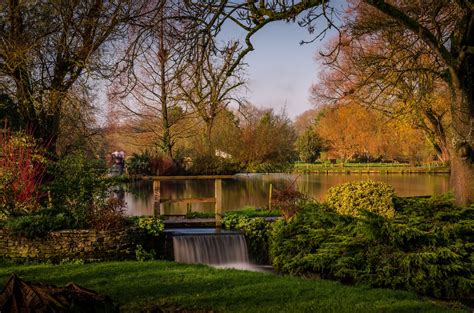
[(354, 132), (442, 31)]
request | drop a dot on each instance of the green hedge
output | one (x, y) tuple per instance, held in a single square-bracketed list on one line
[(427, 247), (38, 225), (353, 197)]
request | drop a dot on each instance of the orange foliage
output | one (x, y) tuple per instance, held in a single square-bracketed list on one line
[(352, 130)]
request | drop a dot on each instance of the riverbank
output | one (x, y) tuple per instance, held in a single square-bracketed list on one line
[(327, 168), (369, 168), (155, 285)]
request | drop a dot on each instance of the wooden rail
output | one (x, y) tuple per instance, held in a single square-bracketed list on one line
[(209, 177), (217, 199), (189, 200)]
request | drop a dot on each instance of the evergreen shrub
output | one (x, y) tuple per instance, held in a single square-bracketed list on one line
[(353, 197), (37, 225), (427, 247)]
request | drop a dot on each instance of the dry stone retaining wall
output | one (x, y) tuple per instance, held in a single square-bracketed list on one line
[(73, 245)]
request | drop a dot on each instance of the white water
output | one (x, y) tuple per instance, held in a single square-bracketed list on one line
[(222, 250)]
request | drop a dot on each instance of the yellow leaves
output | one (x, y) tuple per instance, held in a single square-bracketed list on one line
[(353, 197)]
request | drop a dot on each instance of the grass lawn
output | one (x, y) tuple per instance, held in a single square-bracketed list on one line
[(139, 286), (247, 211), (368, 167)]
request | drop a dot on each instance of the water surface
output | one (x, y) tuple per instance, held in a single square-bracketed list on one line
[(253, 189)]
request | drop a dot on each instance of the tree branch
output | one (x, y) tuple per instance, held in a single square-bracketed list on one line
[(422, 32)]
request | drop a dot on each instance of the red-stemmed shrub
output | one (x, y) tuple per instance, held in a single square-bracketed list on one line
[(21, 173)]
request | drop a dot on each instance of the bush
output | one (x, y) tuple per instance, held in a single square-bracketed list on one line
[(288, 200), (21, 173), (142, 255), (212, 165), (103, 216), (79, 195), (256, 231), (427, 247), (139, 164), (107, 215), (79, 186), (353, 197), (148, 163), (38, 225), (152, 225), (269, 167)]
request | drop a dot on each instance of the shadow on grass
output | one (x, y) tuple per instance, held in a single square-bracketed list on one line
[(137, 285)]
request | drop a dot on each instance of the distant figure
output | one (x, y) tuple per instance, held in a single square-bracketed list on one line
[(118, 163)]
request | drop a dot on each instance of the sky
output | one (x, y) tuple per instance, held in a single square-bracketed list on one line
[(280, 71)]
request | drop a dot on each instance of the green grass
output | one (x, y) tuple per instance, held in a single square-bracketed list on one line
[(254, 212), (365, 164), (139, 286), (245, 211), (326, 167)]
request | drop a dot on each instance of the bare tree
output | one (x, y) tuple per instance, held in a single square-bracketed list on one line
[(156, 57), (45, 47), (444, 28), (209, 86)]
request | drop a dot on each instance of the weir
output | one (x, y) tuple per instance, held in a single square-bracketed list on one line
[(210, 246)]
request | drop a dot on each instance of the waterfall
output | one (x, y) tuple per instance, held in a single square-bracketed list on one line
[(222, 250)]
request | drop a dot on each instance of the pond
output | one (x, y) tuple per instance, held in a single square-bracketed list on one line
[(253, 189)]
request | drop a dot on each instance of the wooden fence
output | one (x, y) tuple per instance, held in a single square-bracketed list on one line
[(158, 201)]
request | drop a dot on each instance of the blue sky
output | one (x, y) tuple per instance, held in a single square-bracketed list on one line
[(280, 71)]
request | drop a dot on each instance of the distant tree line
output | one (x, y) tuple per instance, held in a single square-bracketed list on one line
[(411, 61)]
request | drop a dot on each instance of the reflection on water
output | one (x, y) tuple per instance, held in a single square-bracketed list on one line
[(252, 189)]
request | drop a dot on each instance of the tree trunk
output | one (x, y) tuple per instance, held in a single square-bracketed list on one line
[(166, 143), (209, 127), (444, 155), (52, 125), (437, 134), (44, 127), (462, 179), (462, 156)]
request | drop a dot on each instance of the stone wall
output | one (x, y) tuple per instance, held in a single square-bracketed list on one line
[(73, 245)]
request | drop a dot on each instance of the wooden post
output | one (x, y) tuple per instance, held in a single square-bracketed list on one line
[(218, 195), (156, 197), (270, 191)]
